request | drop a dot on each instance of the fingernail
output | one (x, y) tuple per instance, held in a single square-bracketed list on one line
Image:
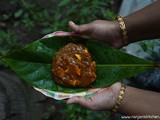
[(71, 22)]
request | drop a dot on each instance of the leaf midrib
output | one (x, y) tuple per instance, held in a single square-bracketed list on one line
[(98, 65)]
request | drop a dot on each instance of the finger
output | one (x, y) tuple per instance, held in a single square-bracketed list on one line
[(81, 101), (80, 29)]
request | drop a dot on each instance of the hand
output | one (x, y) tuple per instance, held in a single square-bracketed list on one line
[(104, 31), (104, 100)]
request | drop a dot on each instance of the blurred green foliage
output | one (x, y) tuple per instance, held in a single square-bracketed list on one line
[(49, 16), (152, 47), (7, 41), (46, 17), (75, 112)]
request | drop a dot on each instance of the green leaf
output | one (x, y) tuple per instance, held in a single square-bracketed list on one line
[(33, 63), (63, 3), (18, 13)]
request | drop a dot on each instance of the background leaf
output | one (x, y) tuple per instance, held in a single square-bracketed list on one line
[(18, 13), (33, 63), (63, 3)]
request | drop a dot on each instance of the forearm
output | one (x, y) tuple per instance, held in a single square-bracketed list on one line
[(144, 24), (140, 102)]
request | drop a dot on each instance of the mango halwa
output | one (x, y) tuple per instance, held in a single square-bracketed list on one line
[(73, 66)]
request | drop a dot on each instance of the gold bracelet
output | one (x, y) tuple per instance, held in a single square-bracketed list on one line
[(123, 29), (120, 98)]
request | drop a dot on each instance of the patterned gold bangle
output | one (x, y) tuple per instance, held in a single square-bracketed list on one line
[(123, 29), (120, 98)]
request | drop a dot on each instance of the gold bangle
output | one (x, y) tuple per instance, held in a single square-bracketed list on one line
[(120, 98), (123, 29)]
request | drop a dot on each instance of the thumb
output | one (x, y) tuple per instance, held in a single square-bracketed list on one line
[(80, 100), (80, 29)]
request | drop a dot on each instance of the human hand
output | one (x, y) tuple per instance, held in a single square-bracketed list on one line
[(104, 100), (104, 31)]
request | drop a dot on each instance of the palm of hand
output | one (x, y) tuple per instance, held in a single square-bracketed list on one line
[(104, 100)]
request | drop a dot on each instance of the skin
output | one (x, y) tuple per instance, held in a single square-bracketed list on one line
[(104, 100), (141, 25)]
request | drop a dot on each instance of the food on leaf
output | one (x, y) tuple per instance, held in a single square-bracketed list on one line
[(33, 63), (73, 66)]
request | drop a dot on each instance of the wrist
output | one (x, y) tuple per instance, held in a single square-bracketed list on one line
[(115, 88), (118, 35), (123, 28), (119, 98), (124, 104)]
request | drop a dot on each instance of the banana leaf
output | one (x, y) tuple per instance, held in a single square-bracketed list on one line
[(33, 63)]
